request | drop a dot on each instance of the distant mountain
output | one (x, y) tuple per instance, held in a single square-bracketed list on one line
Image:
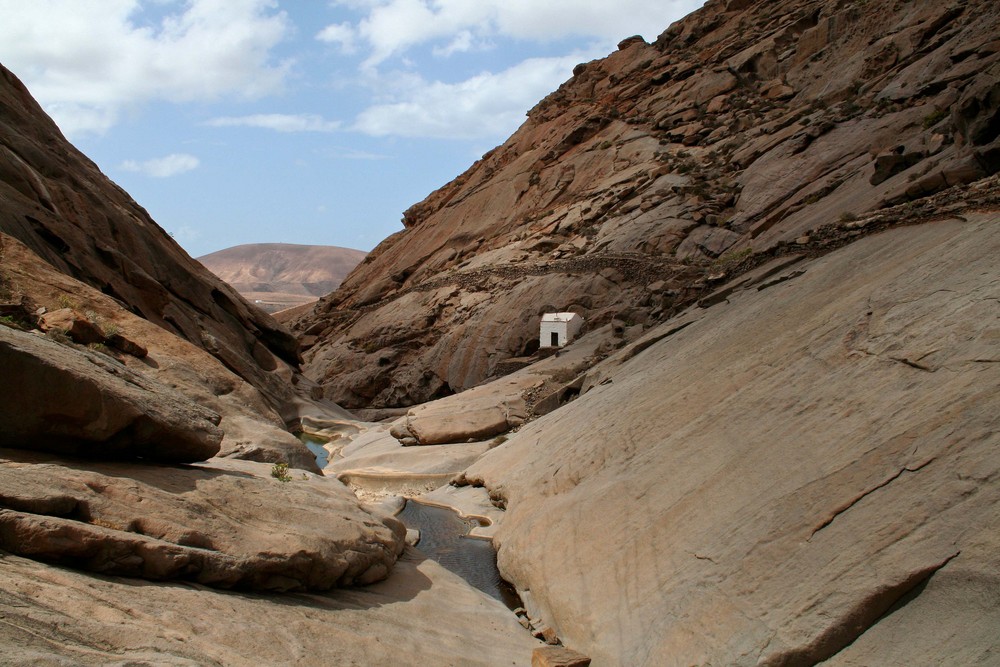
[(276, 276)]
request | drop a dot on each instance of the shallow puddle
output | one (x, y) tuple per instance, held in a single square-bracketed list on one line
[(444, 538), (315, 445)]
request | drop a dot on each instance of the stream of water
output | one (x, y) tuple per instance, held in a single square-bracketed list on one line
[(444, 537)]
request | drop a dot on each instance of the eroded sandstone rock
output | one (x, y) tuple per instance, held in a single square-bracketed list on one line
[(225, 524), (76, 401)]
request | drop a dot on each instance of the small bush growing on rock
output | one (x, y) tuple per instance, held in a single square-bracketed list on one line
[(935, 117), (847, 216), (279, 471)]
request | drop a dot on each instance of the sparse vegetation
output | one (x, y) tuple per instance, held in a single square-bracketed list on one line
[(847, 216), (279, 471), (66, 302), (497, 441), (935, 117), (731, 258)]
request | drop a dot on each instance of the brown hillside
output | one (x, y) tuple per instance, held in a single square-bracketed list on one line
[(275, 276), (744, 126)]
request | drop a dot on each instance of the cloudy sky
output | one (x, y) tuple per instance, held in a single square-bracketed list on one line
[(305, 121)]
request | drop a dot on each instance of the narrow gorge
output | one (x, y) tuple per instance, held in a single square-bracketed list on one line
[(775, 441)]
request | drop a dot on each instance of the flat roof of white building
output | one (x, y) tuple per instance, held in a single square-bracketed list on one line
[(558, 317)]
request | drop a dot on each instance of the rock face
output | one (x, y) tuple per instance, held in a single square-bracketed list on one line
[(58, 203), (743, 127), (139, 375), (807, 471), (275, 276), (85, 403), (227, 525), (421, 615)]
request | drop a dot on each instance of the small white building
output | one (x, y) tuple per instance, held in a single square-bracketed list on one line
[(557, 329)]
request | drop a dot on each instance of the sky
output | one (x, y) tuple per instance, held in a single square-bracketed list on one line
[(306, 121)]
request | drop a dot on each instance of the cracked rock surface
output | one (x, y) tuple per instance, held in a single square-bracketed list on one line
[(804, 473)]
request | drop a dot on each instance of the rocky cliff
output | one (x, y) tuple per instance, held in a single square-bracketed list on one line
[(658, 170), (121, 354), (56, 201)]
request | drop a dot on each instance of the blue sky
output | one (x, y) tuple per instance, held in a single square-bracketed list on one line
[(318, 122)]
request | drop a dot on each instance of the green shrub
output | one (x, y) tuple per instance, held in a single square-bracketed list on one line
[(279, 471)]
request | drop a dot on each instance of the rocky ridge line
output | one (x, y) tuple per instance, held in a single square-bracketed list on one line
[(744, 126)]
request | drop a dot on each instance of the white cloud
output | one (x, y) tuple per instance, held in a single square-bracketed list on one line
[(490, 105), (391, 27), (87, 61), (484, 106), (279, 122), (163, 167), (339, 33), (461, 43)]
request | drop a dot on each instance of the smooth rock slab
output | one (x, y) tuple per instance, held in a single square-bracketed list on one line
[(227, 525), (421, 615), (71, 400), (799, 467)]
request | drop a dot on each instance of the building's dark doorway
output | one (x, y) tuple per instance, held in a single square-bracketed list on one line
[(555, 339)]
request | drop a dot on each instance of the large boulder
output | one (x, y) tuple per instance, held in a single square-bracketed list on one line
[(230, 524), (73, 400)]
